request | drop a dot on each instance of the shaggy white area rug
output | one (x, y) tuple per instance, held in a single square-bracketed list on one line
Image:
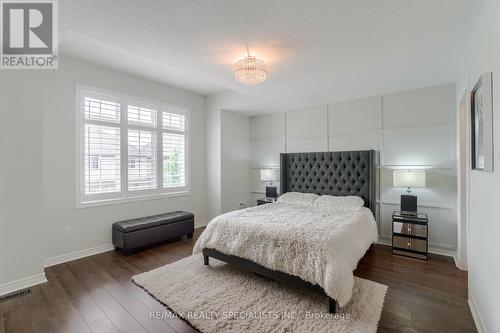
[(220, 298)]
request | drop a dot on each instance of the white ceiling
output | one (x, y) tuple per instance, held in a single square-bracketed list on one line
[(318, 51)]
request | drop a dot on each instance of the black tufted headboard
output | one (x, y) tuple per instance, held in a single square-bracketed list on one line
[(333, 173)]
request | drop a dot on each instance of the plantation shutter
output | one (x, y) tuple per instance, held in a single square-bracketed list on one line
[(101, 146), (142, 145), (129, 148), (174, 150)]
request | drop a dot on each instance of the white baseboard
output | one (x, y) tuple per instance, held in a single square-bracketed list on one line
[(30, 281), (443, 251), (478, 320), (432, 249), (77, 255), (199, 224), (93, 250), (23, 283)]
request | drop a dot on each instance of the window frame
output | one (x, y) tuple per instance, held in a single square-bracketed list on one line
[(126, 195)]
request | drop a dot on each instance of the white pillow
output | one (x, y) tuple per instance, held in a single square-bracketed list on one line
[(297, 198), (339, 203)]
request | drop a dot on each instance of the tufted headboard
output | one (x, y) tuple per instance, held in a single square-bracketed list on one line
[(333, 173)]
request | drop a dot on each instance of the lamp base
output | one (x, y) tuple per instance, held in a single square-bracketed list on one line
[(409, 204), (271, 192)]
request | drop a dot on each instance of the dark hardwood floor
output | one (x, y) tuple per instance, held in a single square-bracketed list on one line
[(95, 294)]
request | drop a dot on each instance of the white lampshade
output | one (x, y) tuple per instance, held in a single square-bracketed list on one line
[(408, 178), (268, 174)]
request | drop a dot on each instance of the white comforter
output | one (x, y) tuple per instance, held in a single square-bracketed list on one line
[(319, 246)]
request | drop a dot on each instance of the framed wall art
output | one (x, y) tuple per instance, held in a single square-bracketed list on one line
[(482, 124)]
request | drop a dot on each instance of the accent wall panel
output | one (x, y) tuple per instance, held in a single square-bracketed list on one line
[(425, 107), (362, 141), (306, 145), (439, 190), (307, 123), (419, 146), (362, 115), (408, 129)]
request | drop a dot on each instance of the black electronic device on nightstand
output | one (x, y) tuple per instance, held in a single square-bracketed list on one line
[(410, 235)]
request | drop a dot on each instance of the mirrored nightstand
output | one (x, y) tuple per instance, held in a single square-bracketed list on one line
[(410, 235)]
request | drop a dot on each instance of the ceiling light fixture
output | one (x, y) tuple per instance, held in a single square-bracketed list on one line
[(250, 70)]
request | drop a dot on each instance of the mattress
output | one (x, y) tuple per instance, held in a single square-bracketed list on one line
[(319, 246)]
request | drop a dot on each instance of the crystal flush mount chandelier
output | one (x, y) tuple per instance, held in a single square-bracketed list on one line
[(250, 70)]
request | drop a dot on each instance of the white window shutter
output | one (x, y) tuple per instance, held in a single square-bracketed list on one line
[(142, 160), (174, 156), (174, 150), (129, 148), (102, 159)]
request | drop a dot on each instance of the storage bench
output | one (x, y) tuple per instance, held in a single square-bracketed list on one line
[(145, 231)]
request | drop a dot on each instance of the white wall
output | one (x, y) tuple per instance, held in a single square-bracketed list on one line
[(418, 128), (267, 141), (213, 156), (42, 105), (216, 105), (21, 139), (235, 151), (483, 55), (92, 226), (409, 129)]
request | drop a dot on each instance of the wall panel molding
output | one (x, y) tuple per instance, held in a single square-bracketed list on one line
[(423, 205), (306, 123), (306, 145), (409, 129)]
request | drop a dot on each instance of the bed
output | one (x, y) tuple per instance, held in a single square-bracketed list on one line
[(303, 243)]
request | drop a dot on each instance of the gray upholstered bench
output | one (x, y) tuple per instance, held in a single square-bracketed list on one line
[(145, 231)]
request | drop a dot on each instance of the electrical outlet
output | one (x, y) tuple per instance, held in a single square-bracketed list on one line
[(67, 230)]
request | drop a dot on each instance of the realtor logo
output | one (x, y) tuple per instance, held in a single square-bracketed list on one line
[(29, 34)]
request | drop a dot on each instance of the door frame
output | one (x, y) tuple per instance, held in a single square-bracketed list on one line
[(463, 179)]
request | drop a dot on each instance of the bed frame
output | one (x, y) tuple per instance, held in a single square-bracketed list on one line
[(333, 173)]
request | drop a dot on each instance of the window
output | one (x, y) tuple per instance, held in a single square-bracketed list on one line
[(95, 162), (142, 148), (173, 149), (129, 148), (173, 159)]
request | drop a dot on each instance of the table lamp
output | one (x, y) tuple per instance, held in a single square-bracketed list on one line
[(408, 179), (269, 175)]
